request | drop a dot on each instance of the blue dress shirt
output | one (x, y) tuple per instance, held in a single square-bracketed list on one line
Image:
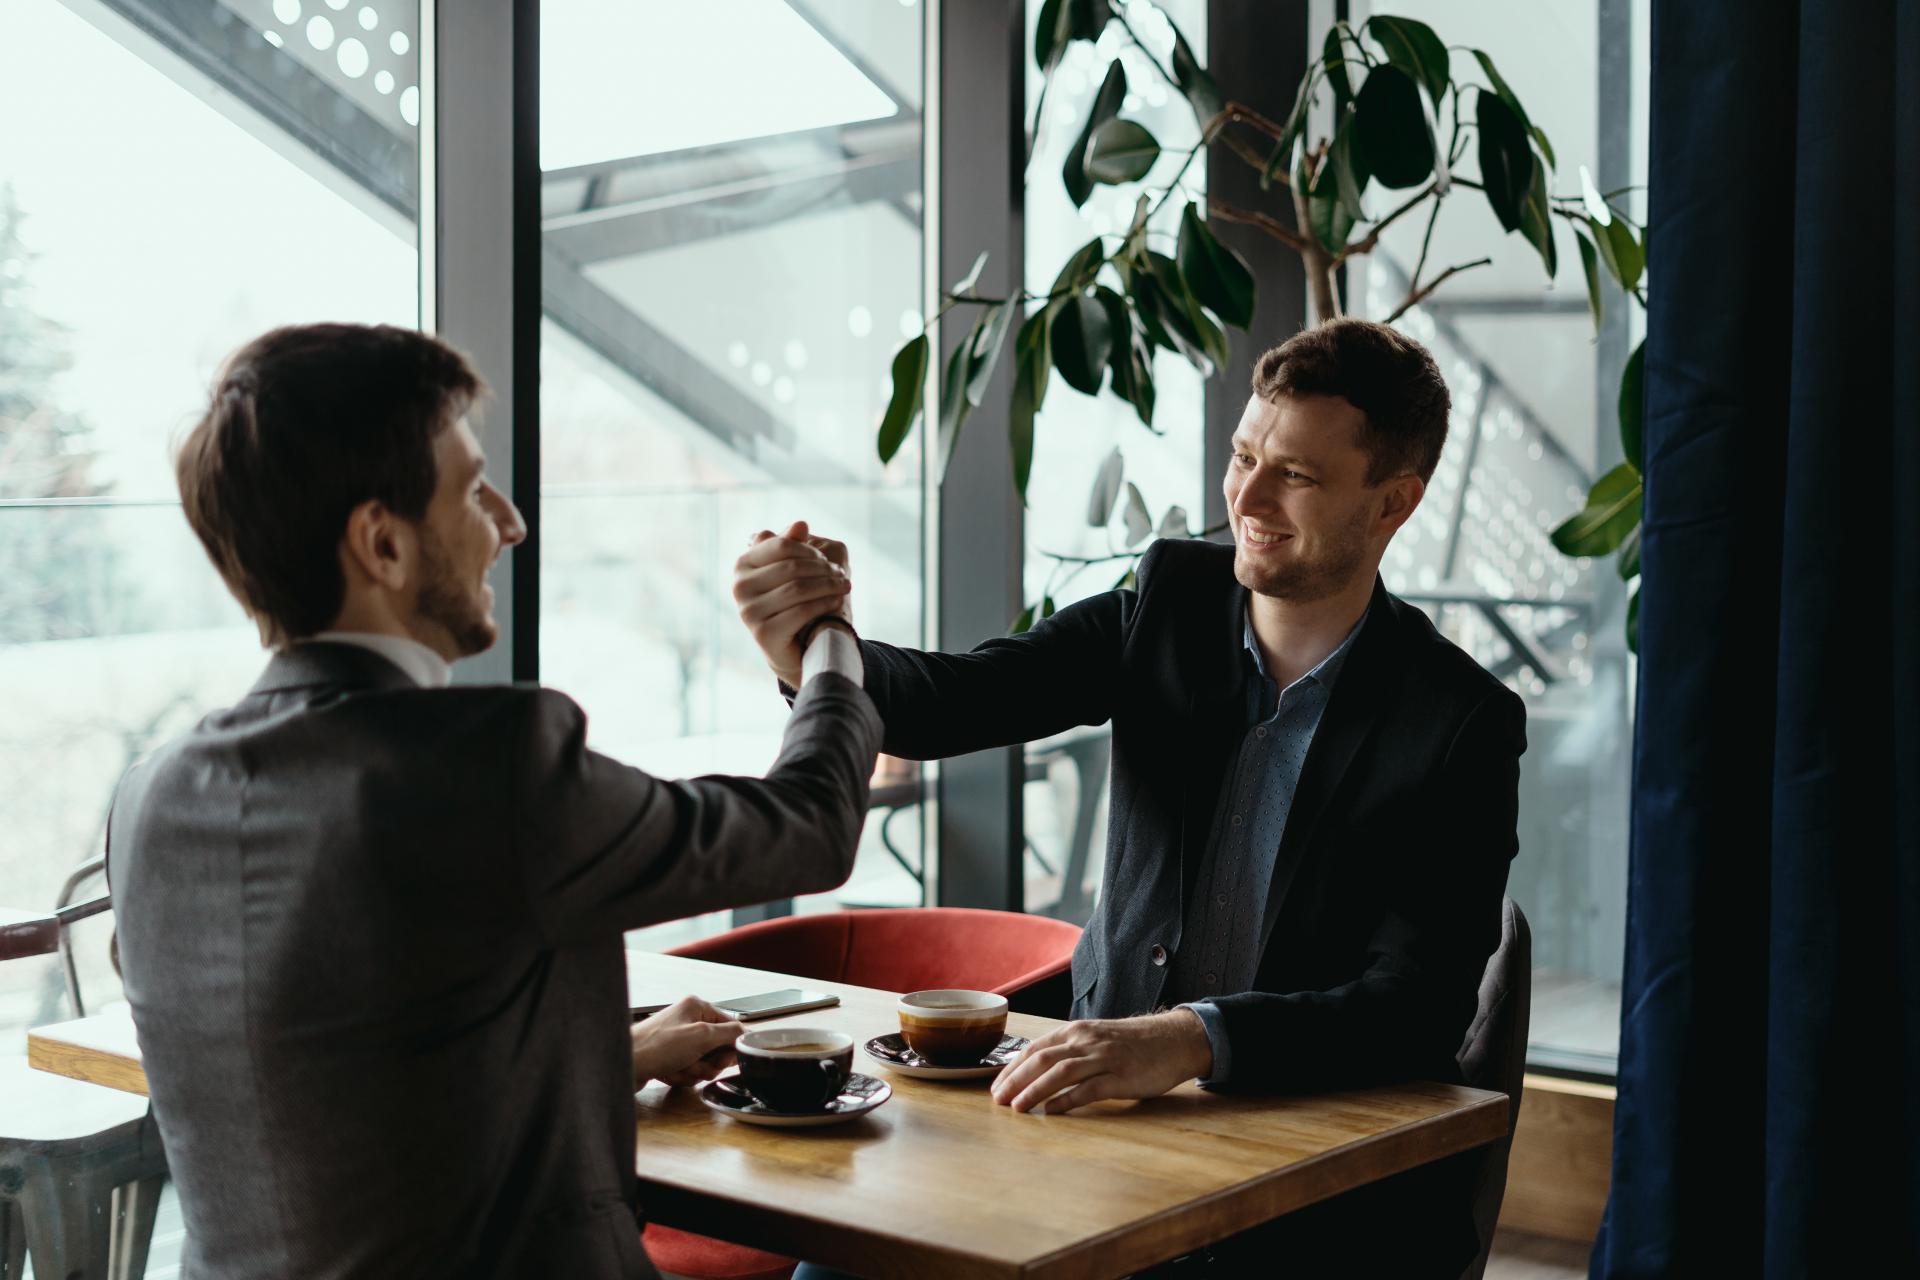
[(1219, 950)]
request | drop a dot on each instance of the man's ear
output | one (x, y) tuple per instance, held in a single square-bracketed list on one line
[(377, 546), (1400, 497)]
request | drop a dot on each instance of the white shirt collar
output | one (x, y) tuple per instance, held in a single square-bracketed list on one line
[(425, 667)]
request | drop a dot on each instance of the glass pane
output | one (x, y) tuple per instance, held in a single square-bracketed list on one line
[(732, 252), (1074, 434), (208, 172), (1533, 425)]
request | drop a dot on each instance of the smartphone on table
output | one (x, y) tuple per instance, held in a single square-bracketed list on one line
[(766, 1004)]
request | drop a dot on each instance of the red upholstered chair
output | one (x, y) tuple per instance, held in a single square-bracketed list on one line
[(1024, 958)]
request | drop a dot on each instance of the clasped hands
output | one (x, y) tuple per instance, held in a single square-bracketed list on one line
[(782, 583)]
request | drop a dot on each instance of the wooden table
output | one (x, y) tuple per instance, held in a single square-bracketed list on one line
[(940, 1182)]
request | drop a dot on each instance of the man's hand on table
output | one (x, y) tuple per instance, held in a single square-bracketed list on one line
[(782, 583), (683, 1044), (1102, 1058)]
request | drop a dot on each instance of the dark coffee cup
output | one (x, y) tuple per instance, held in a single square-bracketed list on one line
[(952, 1028), (795, 1068)]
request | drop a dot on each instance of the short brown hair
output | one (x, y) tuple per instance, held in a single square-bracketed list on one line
[(305, 424), (1387, 376)]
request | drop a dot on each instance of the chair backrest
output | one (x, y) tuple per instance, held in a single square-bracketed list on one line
[(902, 949), (1494, 1057)]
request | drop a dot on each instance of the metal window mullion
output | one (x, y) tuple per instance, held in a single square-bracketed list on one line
[(480, 266)]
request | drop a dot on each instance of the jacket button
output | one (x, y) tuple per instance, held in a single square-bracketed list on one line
[(1159, 954)]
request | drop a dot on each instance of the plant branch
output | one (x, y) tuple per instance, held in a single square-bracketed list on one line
[(1418, 296), (1125, 555), (1426, 241), (1244, 114), (1264, 221), (1147, 53), (1368, 242)]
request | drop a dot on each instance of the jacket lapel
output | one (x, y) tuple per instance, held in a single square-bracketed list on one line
[(1362, 693), (1216, 716)]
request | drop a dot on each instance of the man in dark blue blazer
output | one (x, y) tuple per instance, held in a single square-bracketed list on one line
[(1313, 795)]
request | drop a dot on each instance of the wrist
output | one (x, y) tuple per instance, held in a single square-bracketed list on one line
[(1195, 1043)]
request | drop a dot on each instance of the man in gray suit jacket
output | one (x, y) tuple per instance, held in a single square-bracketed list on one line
[(371, 925)]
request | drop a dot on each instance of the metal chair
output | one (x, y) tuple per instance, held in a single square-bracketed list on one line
[(81, 1166), (1494, 1057)]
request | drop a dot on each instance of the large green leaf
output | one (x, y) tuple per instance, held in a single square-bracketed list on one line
[(1596, 204), (954, 406), (1415, 49), (1219, 277), (1536, 221), (1501, 87), (1390, 130), (1024, 623), (1633, 622), (989, 336), (1628, 254), (1194, 81), (1081, 339), (909, 389), (1174, 524), (1131, 357), (1506, 161), (1121, 151), (1106, 490), (1064, 21), (1612, 512), (1330, 220), (1031, 366), (1077, 274), (1590, 265), (1333, 51), (1546, 148), (1344, 176), (1106, 105), (1296, 125), (1633, 407), (1180, 318)]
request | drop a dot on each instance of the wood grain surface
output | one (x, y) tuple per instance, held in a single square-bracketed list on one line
[(940, 1182)]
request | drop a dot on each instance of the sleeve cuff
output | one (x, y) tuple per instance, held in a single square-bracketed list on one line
[(1216, 1028)]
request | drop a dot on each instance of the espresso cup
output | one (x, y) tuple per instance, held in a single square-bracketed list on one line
[(795, 1068), (952, 1028)]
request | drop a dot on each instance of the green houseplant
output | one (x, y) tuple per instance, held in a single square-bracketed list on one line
[(1401, 122)]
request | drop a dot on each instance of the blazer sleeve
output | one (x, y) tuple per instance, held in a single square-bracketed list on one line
[(1406, 1014), (1010, 689), (605, 847)]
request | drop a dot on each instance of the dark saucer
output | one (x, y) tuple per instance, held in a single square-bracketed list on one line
[(891, 1051), (862, 1094)]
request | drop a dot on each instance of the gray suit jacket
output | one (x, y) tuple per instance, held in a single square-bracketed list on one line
[(371, 936)]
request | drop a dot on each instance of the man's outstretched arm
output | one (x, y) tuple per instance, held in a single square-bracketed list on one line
[(1063, 673)]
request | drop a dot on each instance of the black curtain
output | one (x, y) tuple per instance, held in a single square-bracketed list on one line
[(1769, 1113)]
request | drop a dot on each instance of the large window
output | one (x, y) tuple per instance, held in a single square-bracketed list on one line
[(1533, 425), (194, 173), (1075, 435), (732, 251)]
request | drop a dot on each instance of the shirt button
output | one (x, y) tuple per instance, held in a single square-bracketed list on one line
[(1236, 819), (1212, 978), (1159, 954), (1259, 733)]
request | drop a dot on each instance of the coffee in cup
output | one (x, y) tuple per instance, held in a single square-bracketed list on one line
[(795, 1068), (952, 1028)]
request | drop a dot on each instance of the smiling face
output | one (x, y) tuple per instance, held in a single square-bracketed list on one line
[(467, 524), (1306, 524)]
